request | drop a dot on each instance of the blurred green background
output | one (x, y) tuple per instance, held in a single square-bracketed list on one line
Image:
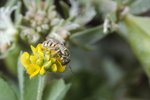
[(110, 71)]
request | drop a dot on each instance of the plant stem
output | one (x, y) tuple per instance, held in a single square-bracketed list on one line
[(20, 78), (41, 84)]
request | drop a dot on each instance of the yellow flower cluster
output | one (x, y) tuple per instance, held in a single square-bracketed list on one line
[(40, 61)]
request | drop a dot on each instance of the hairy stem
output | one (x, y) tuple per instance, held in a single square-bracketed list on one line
[(41, 84)]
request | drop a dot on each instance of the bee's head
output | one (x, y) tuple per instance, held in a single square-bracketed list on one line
[(65, 61)]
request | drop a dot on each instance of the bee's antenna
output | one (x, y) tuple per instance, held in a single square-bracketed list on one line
[(71, 69)]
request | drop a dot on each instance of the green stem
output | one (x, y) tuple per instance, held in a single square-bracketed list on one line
[(41, 84), (21, 77)]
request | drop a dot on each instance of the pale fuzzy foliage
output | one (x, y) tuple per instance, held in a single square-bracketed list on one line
[(7, 29)]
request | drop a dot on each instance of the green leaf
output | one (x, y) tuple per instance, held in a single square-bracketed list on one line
[(31, 88), (10, 62), (137, 32), (18, 16), (56, 90), (89, 36), (48, 3), (41, 85), (21, 77), (104, 92), (119, 2), (27, 3), (140, 6), (106, 7), (10, 3), (14, 87), (65, 9), (114, 74), (7, 92)]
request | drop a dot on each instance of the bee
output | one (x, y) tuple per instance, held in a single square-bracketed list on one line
[(61, 50)]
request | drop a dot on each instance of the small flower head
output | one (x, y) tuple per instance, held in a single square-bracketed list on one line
[(38, 21), (7, 30), (41, 60)]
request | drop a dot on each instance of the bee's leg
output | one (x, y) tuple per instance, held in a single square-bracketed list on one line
[(70, 68)]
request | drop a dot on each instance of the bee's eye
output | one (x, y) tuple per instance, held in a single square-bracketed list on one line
[(65, 61)]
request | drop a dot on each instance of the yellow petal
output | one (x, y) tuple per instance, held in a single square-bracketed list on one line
[(34, 74), (60, 68), (54, 68), (47, 64), (39, 47), (33, 50), (39, 50), (40, 54), (42, 71), (33, 70), (53, 60), (46, 57), (53, 52), (25, 59), (39, 61), (33, 59)]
